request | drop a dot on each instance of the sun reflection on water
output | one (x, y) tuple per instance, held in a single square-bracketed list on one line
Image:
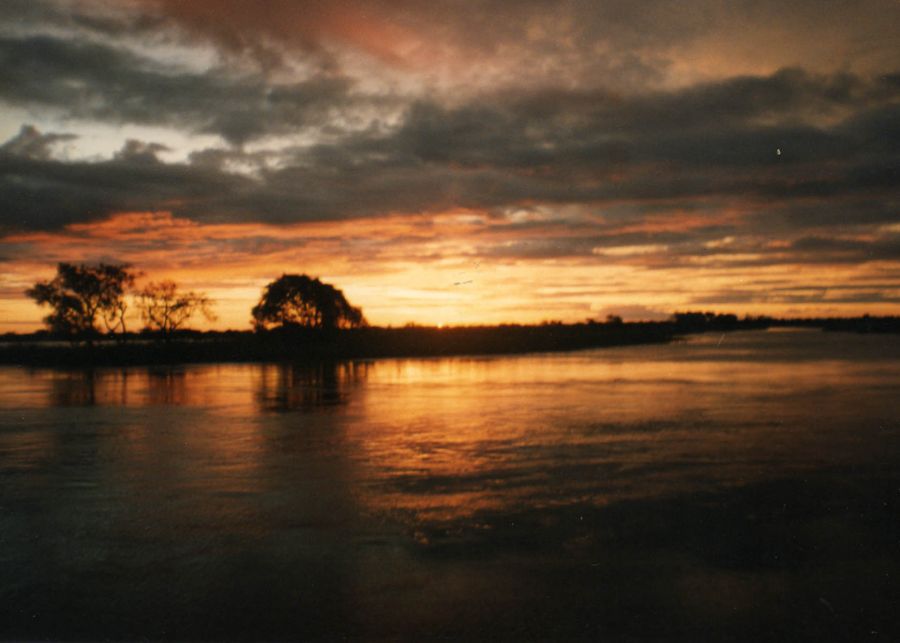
[(351, 489)]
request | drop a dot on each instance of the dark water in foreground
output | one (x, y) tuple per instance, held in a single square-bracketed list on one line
[(738, 487)]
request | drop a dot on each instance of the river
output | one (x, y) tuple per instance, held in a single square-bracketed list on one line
[(743, 486)]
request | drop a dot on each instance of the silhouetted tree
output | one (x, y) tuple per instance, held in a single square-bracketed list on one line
[(165, 309), (80, 294), (298, 300)]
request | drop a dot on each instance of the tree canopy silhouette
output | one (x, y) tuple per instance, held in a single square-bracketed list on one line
[(299, 300), (81, 295), (165, 309)]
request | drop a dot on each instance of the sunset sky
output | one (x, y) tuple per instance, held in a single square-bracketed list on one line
[(458, 162)]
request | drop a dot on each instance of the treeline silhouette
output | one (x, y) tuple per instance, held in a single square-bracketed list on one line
[(698, 322), (300, 344), (864, 324), (300, 318), (311, 344)]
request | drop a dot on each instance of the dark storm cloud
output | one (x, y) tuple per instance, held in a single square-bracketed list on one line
[(737, 122), (575, 149), (43, 193), (97, 81), (30, 143), (796, 151), (611, 41), (98, 77), (500, 151)]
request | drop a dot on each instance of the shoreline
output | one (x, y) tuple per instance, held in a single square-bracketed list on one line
[(309, 346), (303, 345)]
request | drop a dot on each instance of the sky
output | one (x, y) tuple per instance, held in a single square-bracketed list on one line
[(459, 161)]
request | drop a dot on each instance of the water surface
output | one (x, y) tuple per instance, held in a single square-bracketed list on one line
[(729, 487)]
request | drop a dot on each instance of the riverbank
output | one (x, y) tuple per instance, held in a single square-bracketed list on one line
[(303, 345)]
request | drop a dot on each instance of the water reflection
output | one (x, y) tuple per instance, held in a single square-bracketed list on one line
[(89, 387), (625, 493), (468, 437), (167, 386), (290, 387), (117, 387), (269, 387)]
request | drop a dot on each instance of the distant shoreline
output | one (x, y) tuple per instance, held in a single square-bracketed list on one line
[(311, 345), (302, 345)]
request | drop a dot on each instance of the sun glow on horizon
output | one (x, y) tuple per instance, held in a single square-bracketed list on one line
[(452, 272)]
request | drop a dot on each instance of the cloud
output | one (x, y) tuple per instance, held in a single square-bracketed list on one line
[(44, 193), (823, 295), (619, 161), (563, 148), (483, 43), (88, 80), (837, 250), (650, 137), (31, 144)]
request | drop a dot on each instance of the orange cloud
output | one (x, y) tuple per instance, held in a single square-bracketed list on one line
[(439, 270)]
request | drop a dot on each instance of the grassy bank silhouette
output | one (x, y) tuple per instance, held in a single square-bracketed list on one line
[(307, 344), (301, 344)]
